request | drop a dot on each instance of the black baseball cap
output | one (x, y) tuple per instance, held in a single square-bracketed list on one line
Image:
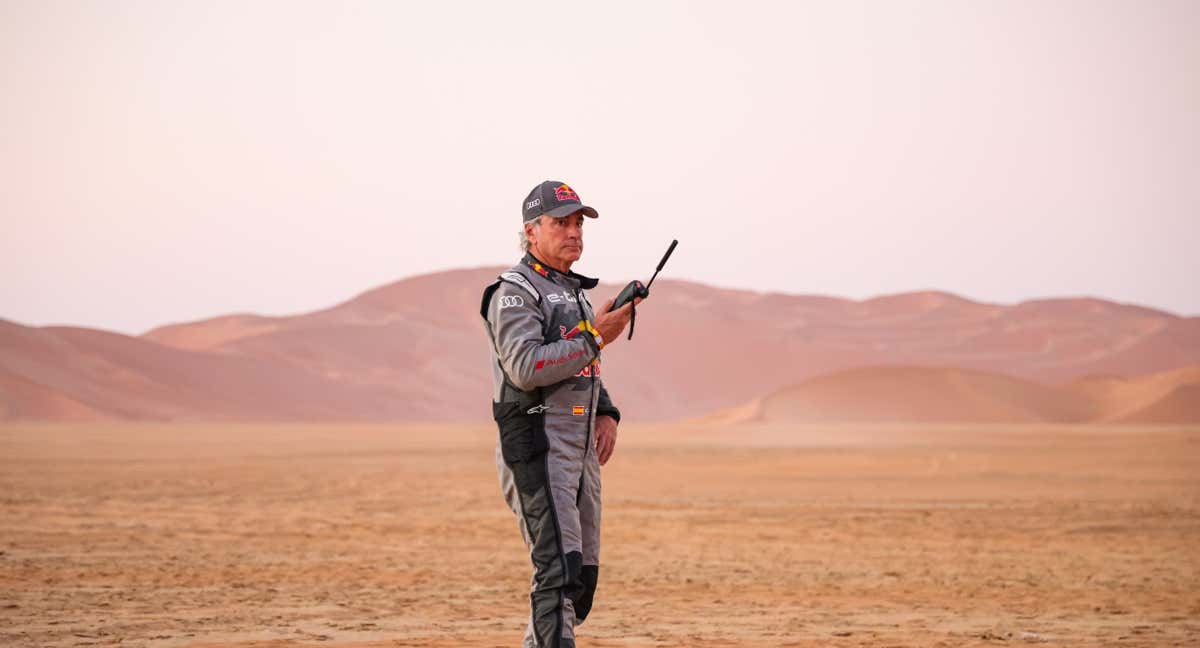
[(553, 198)]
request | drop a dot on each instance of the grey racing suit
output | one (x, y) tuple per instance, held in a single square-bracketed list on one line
[(547, 394)]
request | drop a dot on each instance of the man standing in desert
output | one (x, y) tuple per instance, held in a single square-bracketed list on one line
[(557, 424)]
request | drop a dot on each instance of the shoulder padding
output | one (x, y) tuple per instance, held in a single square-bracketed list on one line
[(517, 278), (511, 277)]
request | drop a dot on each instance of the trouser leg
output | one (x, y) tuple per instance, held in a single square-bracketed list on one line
[(543, 493), (589, 523), (529, 640)]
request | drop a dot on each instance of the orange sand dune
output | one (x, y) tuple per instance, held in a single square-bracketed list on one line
[(938, 394), (699, 348), (1181, 405), (415, 350), (1133, 399), (905, 393), (69, 373), (213, 333), (25, 399)]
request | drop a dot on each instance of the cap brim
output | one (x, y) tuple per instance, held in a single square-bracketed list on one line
[(567, 210)]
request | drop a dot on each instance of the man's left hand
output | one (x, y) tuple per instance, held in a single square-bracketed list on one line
[(606, 437)]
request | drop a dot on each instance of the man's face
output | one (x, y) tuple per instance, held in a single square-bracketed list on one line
[(558, 241)]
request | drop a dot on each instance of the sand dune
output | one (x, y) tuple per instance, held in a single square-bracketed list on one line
[(414, 350), (1119, 399), (1180, 405), (66, 373), (937, 394), (907, 393), (213, 333), (24, 399)]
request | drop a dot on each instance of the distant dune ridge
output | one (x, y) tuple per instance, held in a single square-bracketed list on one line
[(415, 350)]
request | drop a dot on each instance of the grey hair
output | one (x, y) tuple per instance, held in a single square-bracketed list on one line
[(525, 239)]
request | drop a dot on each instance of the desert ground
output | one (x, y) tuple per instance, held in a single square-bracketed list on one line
[(144, 534)]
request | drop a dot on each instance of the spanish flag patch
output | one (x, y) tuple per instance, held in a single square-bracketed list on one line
[(578, 410)]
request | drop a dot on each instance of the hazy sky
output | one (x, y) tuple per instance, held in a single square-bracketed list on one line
[(168, 161)]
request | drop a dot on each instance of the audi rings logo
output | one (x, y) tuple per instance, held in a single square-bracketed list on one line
[(508, 301)]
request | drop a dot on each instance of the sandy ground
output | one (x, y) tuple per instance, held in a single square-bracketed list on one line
[(291, 535)]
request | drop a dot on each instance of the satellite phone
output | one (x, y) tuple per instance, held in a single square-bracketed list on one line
[(635, 289)]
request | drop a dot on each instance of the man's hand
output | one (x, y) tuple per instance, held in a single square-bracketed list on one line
[(606, 437), (610, 324)]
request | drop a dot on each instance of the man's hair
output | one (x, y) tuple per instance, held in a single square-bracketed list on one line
[(537, 222)]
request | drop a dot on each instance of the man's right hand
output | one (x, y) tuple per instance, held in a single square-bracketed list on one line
[(611, 323)]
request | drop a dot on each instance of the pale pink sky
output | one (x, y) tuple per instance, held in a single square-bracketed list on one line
[(167, 161)]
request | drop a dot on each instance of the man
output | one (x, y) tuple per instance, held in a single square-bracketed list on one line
[(556, 422)]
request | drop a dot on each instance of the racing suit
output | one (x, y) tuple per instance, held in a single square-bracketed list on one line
[(546, 395)]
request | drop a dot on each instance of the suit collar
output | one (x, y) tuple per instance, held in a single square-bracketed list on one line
[(572, 279)]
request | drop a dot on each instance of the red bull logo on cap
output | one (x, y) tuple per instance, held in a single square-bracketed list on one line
[(563, 192)]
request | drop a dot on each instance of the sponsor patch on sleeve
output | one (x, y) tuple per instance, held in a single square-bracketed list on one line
[(589, 371), (557, 361)]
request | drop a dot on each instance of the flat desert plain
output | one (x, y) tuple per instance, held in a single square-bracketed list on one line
[(378, 535)]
